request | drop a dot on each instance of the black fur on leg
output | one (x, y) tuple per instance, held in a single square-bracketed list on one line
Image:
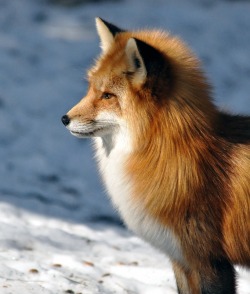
[(178, 290), (223, 280)]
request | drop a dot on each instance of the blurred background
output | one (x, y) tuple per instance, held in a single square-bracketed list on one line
[(46, 46)]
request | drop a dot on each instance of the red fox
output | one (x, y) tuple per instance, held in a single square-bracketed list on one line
[(176, 168)]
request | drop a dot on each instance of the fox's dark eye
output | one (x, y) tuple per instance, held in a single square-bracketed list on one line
[(106, 95)]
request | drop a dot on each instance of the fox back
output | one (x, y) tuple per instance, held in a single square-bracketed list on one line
[(176, 168)]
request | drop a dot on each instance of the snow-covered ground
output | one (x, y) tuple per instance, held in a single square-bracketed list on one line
[(59, 233)]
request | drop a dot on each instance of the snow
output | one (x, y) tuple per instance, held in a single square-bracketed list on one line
[(59, 233)]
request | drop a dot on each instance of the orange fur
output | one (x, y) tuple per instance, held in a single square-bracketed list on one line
[(190, 163)]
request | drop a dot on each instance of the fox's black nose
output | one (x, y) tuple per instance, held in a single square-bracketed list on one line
[(65, 120)]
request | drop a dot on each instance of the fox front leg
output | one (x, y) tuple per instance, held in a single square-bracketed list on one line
[(218, 278), (187, 281)]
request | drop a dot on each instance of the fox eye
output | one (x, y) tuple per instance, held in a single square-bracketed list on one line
[(107, 95)]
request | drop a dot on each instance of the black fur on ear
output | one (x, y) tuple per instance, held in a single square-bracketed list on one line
[(112, 28), (148, 67), (153, 59), (157, 66), (107, 33)]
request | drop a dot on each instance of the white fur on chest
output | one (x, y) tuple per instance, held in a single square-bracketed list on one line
[(119, 185)]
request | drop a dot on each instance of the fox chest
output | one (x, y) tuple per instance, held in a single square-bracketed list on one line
[(119, 188)]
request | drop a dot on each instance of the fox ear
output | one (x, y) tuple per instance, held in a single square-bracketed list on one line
[(106, 32), (144, 60), (135, 62)]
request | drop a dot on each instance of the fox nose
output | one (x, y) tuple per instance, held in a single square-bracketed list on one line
[(65, 120)]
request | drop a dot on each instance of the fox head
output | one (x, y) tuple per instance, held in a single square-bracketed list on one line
[(142, 81)]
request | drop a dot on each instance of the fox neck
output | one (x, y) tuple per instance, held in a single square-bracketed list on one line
[(107, 143), (112, 153), (118, 139)]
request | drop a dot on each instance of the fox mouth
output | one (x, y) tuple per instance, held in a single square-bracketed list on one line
[(86, 134), (90, 129)]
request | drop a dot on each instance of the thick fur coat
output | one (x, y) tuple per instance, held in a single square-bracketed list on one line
[(175, 166)]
